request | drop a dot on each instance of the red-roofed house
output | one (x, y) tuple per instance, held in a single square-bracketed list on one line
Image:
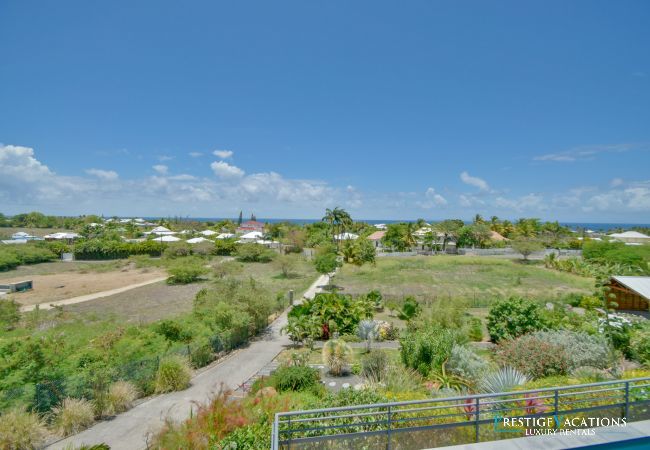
[(376, 237), (251, 225)]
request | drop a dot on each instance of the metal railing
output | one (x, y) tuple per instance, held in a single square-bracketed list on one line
[(435, 422)]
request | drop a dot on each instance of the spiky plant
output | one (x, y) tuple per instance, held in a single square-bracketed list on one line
[(503, 380), (367, 330), (336, 356)]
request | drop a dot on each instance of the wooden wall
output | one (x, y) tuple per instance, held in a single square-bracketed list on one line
[(628, 299)]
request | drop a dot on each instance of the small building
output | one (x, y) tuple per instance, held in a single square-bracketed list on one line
[(166, 238), (346, 236), (226, 236), (161, 231), (251, 225), (21, 235), (376, 238), (197, 240), (631, 293), (631, 237), (208, 232), (67, 237), (250, 238)]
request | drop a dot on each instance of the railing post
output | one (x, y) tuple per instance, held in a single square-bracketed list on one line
[(627, 399), (477, 413), (289, 433), (388, 444), (276, 434), (556, 407)]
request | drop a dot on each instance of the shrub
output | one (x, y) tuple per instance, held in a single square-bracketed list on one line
[(228, 268), (373, 365), (465, 363), (475, 332), (225, 247), (20, 429), (173, 375), (172, 331), (9, 314), (402, 379), (503, 380), (534, 357), (582, 349), (295, 378), (186, 270), (336, 356), (73, 416), (410, 309), (513, 317), (427, 349), (254, 253), (367, 331), (285, 264), (177, 250), (202, 355), (248, 437), (121, 396), (640, 345)]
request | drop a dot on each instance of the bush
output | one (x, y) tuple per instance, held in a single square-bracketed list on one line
[(295, 378), (186, 270), (225, 247), (202, 355), (20, 429), (373, 365), (534, 357), (336, 356), (73, 416), (9, 314), (173, 374), (513, 317), (121, 396), (326, 263), (410, 309), (465, 363), (177, 250), (427, 349), (254, 253), (475, 332), (640, 345), (582, 349)]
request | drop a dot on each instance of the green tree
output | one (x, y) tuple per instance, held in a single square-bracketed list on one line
[(526, 246)]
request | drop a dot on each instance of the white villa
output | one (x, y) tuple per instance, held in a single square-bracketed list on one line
[(346, 236), (631, 237)]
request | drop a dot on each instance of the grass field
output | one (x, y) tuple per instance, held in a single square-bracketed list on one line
[(444, 276)]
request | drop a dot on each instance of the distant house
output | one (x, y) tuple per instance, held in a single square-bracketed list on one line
[(376, 238), (251, 237), (497, 236), (226, 236), (166, 238), (251, 225), (162, 231), (346, 236), (631, 293), (208, 232), (381, 226), (68, 237), (197, 240), (631, 237), (21, 235)]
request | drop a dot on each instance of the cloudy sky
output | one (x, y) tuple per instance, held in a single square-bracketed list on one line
[(391, 110)]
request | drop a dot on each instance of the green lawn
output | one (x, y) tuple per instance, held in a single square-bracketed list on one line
[(445, 276)]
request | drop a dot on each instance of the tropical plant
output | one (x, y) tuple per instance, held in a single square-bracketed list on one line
[(410, 309), (526, 246), (367, 331), (254, 253), (534, 357), (336, 356), (295, 378), (502, 380), (186, 270), (374, 365), (465, 363), (326, 263), (121, 396), (426, 349)]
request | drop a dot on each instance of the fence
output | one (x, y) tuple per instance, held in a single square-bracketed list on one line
[(460, 420), (486, 252)]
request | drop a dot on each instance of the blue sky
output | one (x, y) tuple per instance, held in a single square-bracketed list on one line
[(389, 109)]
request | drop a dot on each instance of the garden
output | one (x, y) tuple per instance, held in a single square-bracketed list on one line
[(418, 351)]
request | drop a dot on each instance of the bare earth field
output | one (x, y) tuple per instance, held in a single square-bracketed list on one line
[(51, 287)]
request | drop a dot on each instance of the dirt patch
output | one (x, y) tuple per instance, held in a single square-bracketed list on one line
[(142, 305), (61, 286)]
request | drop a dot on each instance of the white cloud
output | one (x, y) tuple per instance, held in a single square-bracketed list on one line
[(530, 202), (223, 154), (161, 169), (616, 182), (588, 152), (224, 170), (164, 158), (474, 181), (107, 175), (195, 154), (432, 199)]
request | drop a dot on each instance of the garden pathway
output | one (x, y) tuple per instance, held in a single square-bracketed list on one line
[(133, 429)]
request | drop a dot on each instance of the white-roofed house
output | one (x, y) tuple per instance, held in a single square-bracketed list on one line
[(226, 236), (166, 238), (162, 231), (197, 240), (251, 237), (208, 232), (632, 237), (346, 236), (631, 293)]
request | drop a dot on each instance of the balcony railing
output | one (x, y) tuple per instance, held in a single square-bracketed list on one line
[(437, 422)]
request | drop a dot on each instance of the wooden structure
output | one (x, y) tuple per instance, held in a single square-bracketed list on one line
[(632, 293)]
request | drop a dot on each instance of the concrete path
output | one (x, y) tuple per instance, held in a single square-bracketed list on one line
[(88, 297), (134, 428)]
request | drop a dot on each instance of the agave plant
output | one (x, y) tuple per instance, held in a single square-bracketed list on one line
[(336, 356), (503, 380), (368, 331)]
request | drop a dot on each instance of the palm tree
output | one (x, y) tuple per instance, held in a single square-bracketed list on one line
[(408, 235), (338, 220), (478, 219), (449, 230)]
